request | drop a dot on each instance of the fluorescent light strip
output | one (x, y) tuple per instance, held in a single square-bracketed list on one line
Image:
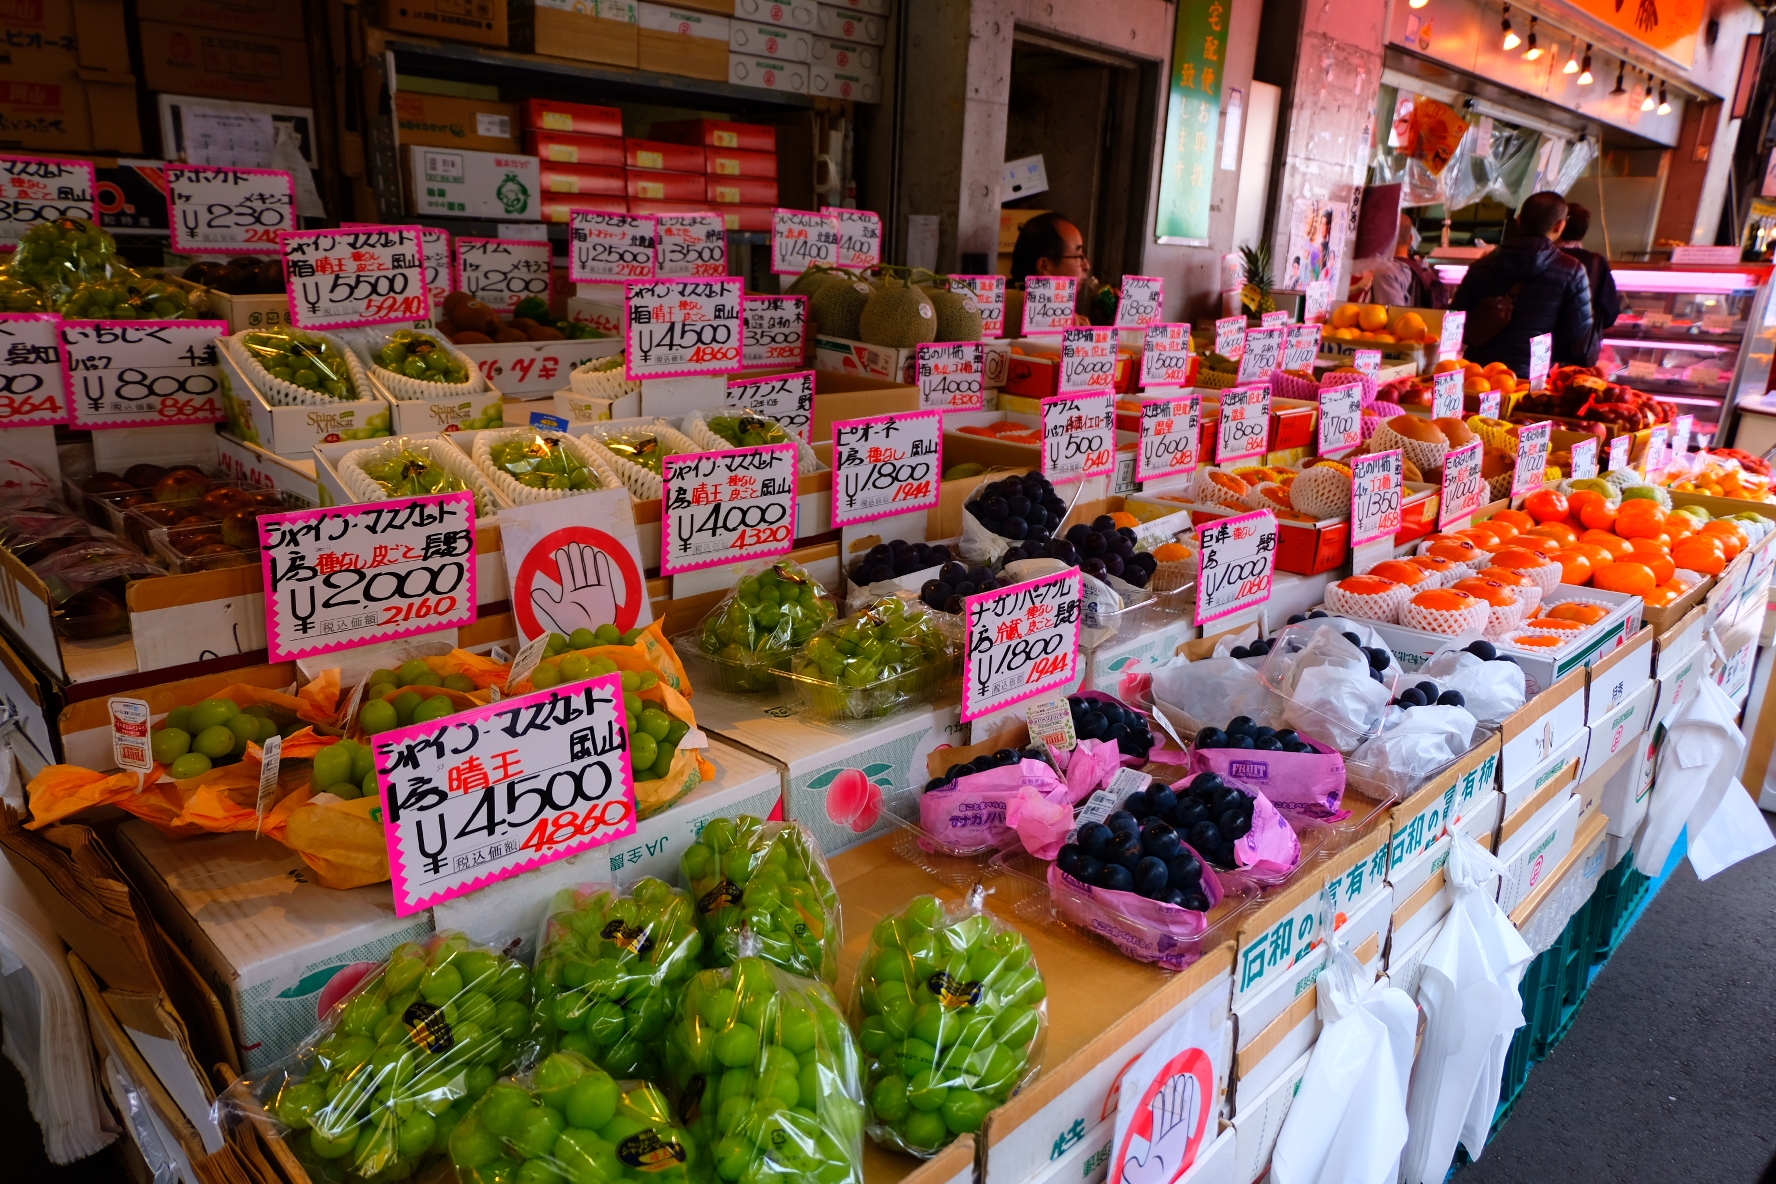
[(1703, 283), (1692, 346)]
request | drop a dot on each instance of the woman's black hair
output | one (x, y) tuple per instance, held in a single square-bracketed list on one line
[(1039, 238)]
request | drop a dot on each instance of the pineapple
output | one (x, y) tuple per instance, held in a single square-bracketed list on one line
[(1255, 297)]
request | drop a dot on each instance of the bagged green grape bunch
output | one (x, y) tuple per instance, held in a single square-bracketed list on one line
[(767, 1076), (376, 1092), (410, 472), (771, 877), (951, 1017), (747, 431), (875, 661), (57, 257), (129, 296), (419, 356), (18, 296), (542, 461), (301, 359), (773, 611), (571, 1122), (609, 970)]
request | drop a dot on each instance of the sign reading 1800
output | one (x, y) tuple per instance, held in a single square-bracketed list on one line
[(681, 327)]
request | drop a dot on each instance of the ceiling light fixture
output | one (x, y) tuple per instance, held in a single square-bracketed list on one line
[(1585, 78), (1417, 3), (1664, 104), (1512, 41), (1620, 89), (1647, 104), (1534, 51), (1572, 60)]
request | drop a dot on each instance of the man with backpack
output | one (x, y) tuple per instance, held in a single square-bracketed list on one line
[(1527, 287)]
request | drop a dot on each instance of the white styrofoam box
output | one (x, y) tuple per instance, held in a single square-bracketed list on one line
[(1541, 727), (599, 306), (1258, 1009), (531, 369), (791, 14), (1460, 791), (293, 431), (833, 82), (1558, 765), (1676, 675), (1405, 969), (1538, 854), (574, 408), (844, 25), (1542, 670), (770, 41), (460, 183), (686, 22), (1618, 676), (1617, 729), (1135, 655), (768, 73), (1528, 829), (844, 55), (1479, 825), (1354, 888), (1258, 1124)]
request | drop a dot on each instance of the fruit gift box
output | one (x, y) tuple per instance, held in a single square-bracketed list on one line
[(774, 610), (414, 467), (715, 431), (873, 663), (530, 465), (293, 367), (377, 1091), (770, 878), (634, 450)]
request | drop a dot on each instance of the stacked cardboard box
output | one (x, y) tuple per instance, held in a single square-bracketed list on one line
[(65, 81), (736, 163), (580, 153), (680, 39), (246, 50), (603, 31), (770, 44)]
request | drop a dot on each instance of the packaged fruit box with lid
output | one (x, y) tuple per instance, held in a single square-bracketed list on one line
[(287, 415), (433, 384)]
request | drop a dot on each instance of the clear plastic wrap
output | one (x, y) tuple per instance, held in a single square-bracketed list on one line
[(772, 877), (1493, 690), (413, 468), (717, 431), (1330, 688), (419, 365), (1416, 743), (951, 1015), (776, 607), (874, 662), (291, 366), (1212, 691), (529, 465)]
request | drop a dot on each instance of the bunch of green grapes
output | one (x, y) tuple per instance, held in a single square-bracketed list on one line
[(411, 473), (302, 359), (772, 613), (419, 356), (194, 739), (544, 462), (396, 698), (747, 431), (56, 257), (128, 296), (640, 448), (884, 641)]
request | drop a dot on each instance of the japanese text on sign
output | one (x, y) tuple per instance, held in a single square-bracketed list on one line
[(1170, 431), (1446, 395), (1463, 489), (125, 374), (34, 190), (1078, 436), (1280, 316), (1341, 419), (776, 330), (440, 263), (1023, 641), (988, 294), (860, 237), (1301, 347), (1492, 405), (676, 327), (1143, 298), (799, 240), (490, 792), (786, 398), (338, 279), (1264, 353), (228, 211), (1584, 459), (888, 464), (1377, 487), (1541, 354), (951, 375), (727, 506), (500, 272), (1532, 457), (690, 245), (1681, 427), (353, 575), (1088, 360), (1618, 454), (1230, 337), (1316, 299), (1236, 558), (33, 375), (1245, 423), (1449, 340), (602, 248), (1165, 355), (1368, 361), (1655, 459), (1049, 303)]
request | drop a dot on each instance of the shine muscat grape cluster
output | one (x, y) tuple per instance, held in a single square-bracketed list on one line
[(194, 739)]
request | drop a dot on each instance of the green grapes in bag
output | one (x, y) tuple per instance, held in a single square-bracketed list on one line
[(375, 1093), (767, 1076), (951, 1018), (570, 1122), (773, 611), (772, 877), (610, 968)]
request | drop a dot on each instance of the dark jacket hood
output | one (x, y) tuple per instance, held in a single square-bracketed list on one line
[(1524, 257)]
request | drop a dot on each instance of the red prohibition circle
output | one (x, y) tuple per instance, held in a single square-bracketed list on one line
[(540, 560)]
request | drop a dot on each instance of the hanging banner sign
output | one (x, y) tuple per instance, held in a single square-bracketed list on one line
[(786, 398), (1236, 558), (690, 245), (1143, 298), (341, 279), (860, 237), (500, 272), (886, 465), (1341, 419), (675, 328), (227, 211), (1088, 360), (1245, 423), (1078, 437), (1302, 346), (776, 330), (35, 190), (1464, 491), (34, 386), (1532, 458), (1584, 459), (354, 575), (1263, 353), (727, 506), (1171, 431), (1022, 641), (1165, 355), (1049, 304), (129, 374), (951, 376), (988, 294), (607, 248), (799, 240), (1377, 486)]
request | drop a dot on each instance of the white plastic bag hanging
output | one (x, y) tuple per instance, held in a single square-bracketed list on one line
[(1347, 1124), (1695, 787), (1469, 996), (1492, 691)]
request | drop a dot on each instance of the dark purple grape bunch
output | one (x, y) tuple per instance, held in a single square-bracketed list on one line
[(1106, 719), (1023, 509), (1103, 549), (885, 561), (1258, 647), (1427, 694), (1487, 652), (980, 764), (1140, 848), (955, 582), (1377, 656), (1242, 732)]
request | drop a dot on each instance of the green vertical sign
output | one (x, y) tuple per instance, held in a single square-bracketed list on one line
[(1187, 167)]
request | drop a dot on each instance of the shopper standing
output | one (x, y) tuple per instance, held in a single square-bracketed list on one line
[(1526, 287), (1403, 280), (1606, 303)]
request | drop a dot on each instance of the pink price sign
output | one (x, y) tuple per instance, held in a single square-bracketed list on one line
[(800, 240), (675, 328), (1316, 301), (1492, 405), (362, 275), (34, 384), (1236, 559), (1245, 423), (1143, 299), (1584, 459), (727, 506), (1088, 360), (1533, 441), (228, 211), (1368, 361), (1377, 487), (1230, 337), (1681, 427), (1464, 491), (35, 190), (1170, 437), (786, 398), (690, 245), (1541, 356), (776, 330), (1341, 419), (1049, 304), (1655, 460), (951, 375), (503, 272), (1446, 395), (860, 237), (1165, 355), (1263, 353), (130, 374), (1078, 437), (1021, 642), (355, 575), (1280, 316), (605, 248), (489, 793), (886, 465), (988, 294), (1618, 454), (1302, 346), (1449, 338)]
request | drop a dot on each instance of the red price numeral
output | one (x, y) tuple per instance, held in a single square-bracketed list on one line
[(419, 610), (1098, 460), (11, 407), (262, 235), (1053, 664), (569, 826), (714, 353), (911, 489), (413, 307), (171, 408), (759, 536)]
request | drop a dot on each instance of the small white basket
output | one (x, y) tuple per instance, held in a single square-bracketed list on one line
[(642, 483), (451, 459), (516, 492), (606, 383)]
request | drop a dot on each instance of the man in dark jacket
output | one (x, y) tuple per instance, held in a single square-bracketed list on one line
[(1606, 303), (1548, 290)]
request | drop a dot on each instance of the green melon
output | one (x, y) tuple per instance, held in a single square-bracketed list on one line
[(836, 308), (811, 281), (958, 319), (897, 316)]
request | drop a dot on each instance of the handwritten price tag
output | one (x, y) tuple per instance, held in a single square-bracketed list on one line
[(727, 506), (951, 375), (1618, 454), (1368, 361), (690, 245), (860, 237), (500, 272), (1584, 459), (603, 248), (1170, 431), (1449, 340), (1341, 419), (1541, 355), (1655, 460), (1264, 353), (127, 374), (1088, 360), (800, 239), (33, 372), (1377, 486), (1278, 317), (34, 190), (1492, 405), (1681, 427), (1236, 559), (488, 793), (786, 398), (1023, 641), (776, 330), (1463, 490), (1446, 395), (1078, 437), (339, 279), (1302, 346), (1532, 458), (680, 327), (1143, 298), (1245, 423), (437, 257), (1316, 301), (1049, 302), (885, 465), (988, 294), (1165, 355), (353, 575), (1230, 337), (228, 211)]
